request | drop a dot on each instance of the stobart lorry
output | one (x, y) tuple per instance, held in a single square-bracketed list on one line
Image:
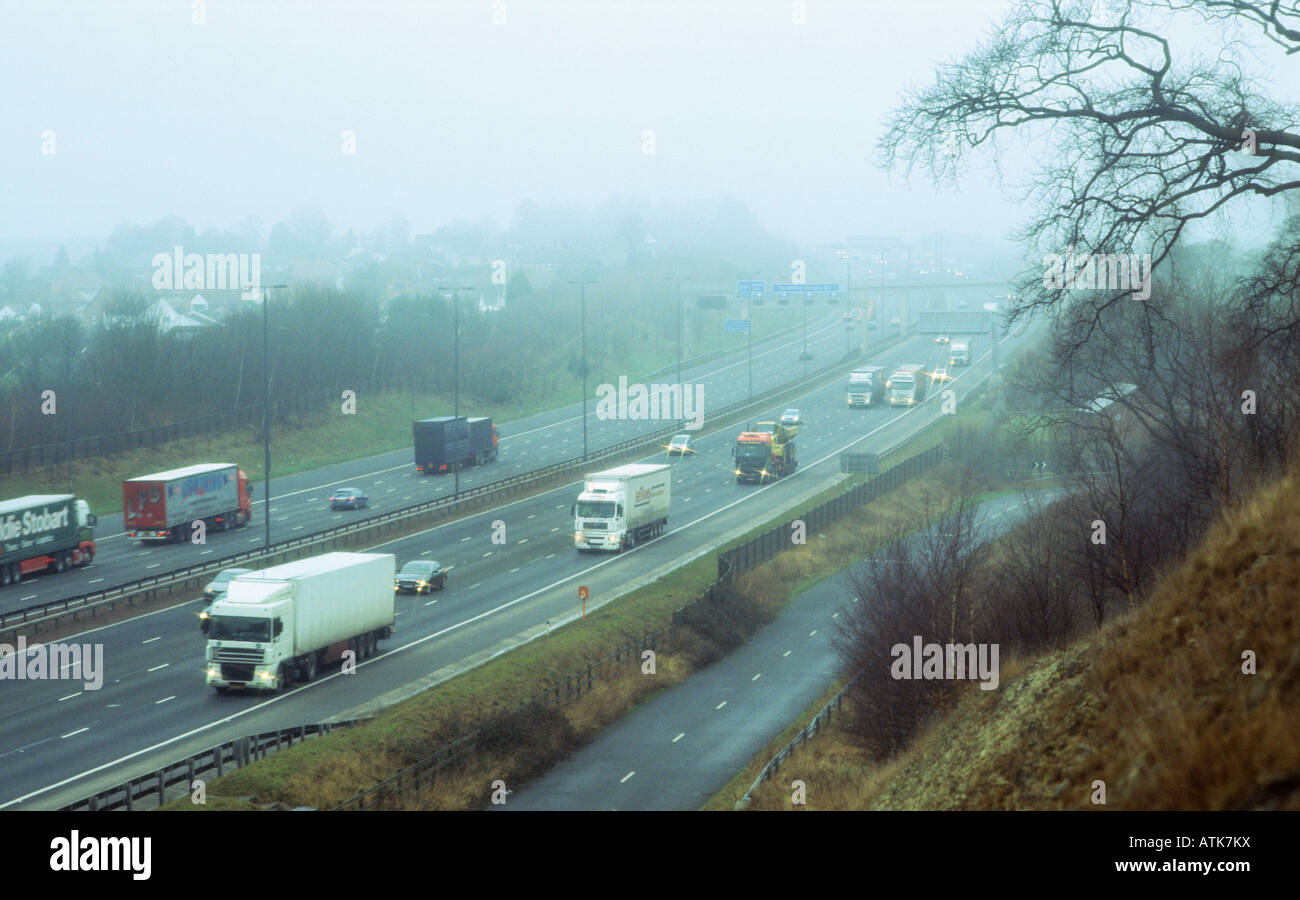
[(765, 451), (281, 624), (866, 386), (619, 507), (907, 385), (164, 506), (44, 533)]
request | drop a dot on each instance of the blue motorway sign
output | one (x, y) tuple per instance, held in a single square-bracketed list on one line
[(746, 290), (741, 325)]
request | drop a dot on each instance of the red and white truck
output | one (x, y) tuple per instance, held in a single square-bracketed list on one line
[(164, 506)]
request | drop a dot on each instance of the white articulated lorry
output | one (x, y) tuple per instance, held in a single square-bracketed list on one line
[(619, 507), (281, 624)]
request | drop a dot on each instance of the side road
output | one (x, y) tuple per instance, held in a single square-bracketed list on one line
[(685, 744)]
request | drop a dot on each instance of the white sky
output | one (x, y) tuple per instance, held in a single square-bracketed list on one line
[(457, 117)]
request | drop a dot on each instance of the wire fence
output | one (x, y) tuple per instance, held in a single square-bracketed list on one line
[(178, 778)]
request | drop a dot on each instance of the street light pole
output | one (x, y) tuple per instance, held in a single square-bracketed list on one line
[(749, 321), (266, 409), (455, 370), (583, 288)]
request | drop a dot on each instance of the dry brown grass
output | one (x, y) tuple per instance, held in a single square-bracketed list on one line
[(1155, 705)]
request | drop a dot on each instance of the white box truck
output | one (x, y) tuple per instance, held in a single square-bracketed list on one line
[(619, 507), (907, 385), (281, 624), (959, 353)]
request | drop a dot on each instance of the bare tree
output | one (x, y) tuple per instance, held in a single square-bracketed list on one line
[(1137, 144)]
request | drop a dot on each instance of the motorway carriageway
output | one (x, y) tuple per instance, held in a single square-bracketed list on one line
[(300, 502), (61, 742)]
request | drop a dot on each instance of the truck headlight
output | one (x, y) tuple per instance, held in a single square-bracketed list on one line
[(212, 673), (265, 676)]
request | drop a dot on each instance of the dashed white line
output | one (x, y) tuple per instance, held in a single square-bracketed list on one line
[(78, 731), (756, 677), (95, 581), (785, 654), (152, 639), (627, 776), (720, 705), (156, 668), (811, 633), (164, 699), (679, 737), (70, 696)]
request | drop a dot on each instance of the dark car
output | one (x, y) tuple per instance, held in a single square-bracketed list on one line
[(348, 498), (421, 576), (213, 592)]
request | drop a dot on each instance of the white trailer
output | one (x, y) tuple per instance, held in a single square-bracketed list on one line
[(281, 624), (619, 507), (959, 353)]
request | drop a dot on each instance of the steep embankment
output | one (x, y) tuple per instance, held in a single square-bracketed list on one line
[(1156, 705)]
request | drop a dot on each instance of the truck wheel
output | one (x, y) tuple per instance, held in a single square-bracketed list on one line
[(220, 689), (58, 564), (4, 576), (282, 676), (372, 644), (309, 671)]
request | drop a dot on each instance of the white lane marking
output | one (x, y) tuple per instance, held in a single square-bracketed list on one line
[(811, 633), (78, 731), (164, 699), (679, 737), (627, 776), (756, 677), (246, 711), (464, 539), (150, 566), (156, 668), (720, 705), (785, 654), (151, 640), (95, 581), (70, 696)]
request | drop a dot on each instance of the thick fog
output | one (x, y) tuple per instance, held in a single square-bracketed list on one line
[(438, 112)]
